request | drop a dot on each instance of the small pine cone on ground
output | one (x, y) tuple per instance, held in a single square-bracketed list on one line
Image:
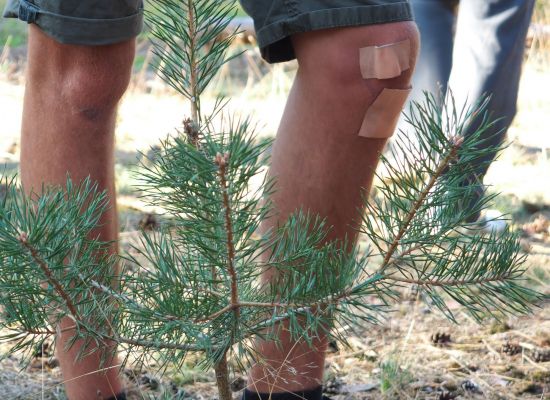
[(470, 386), (440, 338), (511, 348), (541, 355), (149, 222), (333, 347)]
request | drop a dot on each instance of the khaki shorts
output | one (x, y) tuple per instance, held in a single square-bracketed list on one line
[(97, 22)]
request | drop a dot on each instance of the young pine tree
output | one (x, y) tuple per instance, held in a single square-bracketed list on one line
[(195, 287)]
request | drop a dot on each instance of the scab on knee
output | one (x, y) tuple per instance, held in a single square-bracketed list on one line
[(384, 62), (90, 113)]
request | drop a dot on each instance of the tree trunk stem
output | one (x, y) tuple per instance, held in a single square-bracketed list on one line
[(222, 379)]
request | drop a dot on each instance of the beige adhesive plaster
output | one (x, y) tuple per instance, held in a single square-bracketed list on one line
[(385, 62), (381, 118)]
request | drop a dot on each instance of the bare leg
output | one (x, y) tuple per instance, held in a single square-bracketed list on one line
[(321, 164), (68, 127)]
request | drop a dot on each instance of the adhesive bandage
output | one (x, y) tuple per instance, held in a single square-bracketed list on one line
[(385, 62), (382, 116)]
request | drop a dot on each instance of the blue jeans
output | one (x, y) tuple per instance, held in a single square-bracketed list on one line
[(475, 47)]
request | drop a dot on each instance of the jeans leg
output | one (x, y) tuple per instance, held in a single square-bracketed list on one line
[(488, 53), (436, 22)]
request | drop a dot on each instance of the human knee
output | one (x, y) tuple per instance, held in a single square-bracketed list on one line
[(375, 56), (366, 69), (88, 80), (95, 86), (92, 93)]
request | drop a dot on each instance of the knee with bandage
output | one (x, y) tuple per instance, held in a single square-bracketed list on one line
[(390, 64), (386, 62), (370, 65)]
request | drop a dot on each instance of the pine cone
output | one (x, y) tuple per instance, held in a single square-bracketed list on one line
[(511, 348), (470, 386), (43, 350), (333, 347), (149, 381), (148, 222), (441, 338), (334, 386), (541, 355)]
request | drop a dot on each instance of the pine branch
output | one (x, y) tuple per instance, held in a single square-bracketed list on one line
[(23, 239), (38, 332), (441, 168), (219, 313), (221, 161), (395, 259), (70, 305), (452, 282), (150, 344), (195, 111), (192, 48), (126, 301), (222, 379), (293, 308)]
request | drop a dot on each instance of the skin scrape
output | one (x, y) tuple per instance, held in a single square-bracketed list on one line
[(381, 118), (385, 62)]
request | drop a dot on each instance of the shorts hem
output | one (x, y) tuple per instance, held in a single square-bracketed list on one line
[(87, 32), (326, 19)]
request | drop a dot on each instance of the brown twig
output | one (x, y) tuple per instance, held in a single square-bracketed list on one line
[(221, 161), (251, 304), (44, 332), (222, 371), (193, 62), (222, 379), (217, 314), (23, 239), (152, 344), (395, 260), (120, 296), (441, 168)]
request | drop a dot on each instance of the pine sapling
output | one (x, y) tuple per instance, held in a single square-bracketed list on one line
[(194, 286)]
